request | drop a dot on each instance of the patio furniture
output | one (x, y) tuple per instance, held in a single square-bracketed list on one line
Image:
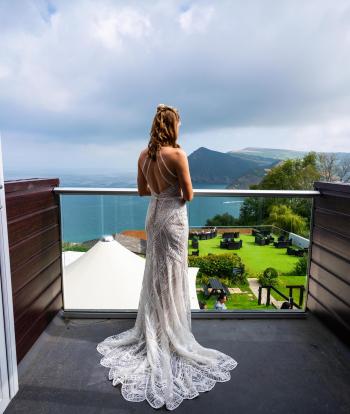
[(206, 234), (290, 251), (231, 244), (195, 244), (224, 243), (228, 235), (283, 243), (260, 240), (234, 245), (226, 289), (283, 237), (296, 251), (215, 285), (205, 290), (236, 271), (195, 252)]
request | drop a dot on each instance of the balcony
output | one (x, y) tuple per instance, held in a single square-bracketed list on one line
[(88, 214), (290, 360), (285, 365)]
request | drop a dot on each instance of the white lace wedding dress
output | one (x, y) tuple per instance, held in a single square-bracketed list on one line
[(159, 360)]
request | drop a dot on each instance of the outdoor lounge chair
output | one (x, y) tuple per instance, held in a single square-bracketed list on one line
[(205, 290), (226, 290)]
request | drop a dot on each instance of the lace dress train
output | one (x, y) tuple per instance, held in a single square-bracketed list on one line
[(159, 360)]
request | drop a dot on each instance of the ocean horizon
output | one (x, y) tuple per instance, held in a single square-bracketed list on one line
[(89, 217)]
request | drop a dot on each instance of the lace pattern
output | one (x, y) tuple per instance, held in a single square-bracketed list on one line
[(159, 360)]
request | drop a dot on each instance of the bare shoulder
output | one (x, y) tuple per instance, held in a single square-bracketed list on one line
[(180, 157), (176, 153), (143, 153)]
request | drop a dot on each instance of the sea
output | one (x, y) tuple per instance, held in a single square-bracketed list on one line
[(89, 217)]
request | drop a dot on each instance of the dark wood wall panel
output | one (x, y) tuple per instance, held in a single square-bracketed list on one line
[(333, 242), (38, 327), (330, 318), (28, 271), (26, 226), (337, 286), (326, 296), (329, 270), (336, 222), (34, 245), (24, 322), (26, 203), (25, 297), (35, 256), (334, 264), (326, 202)]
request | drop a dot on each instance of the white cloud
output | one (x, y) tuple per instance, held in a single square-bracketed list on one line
[(112, 26), (196, 18), (90, 74)]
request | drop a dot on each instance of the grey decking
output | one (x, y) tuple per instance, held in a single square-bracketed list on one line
[(285, 366)]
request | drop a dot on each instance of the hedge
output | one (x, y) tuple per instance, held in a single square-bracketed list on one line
[(218, 265)]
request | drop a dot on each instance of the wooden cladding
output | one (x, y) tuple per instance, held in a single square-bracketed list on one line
[(329, 270), (35, 256)]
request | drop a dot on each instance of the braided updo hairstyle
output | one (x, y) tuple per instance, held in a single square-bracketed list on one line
[(164, 129)]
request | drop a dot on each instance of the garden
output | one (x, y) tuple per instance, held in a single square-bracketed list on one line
[(253, 259)]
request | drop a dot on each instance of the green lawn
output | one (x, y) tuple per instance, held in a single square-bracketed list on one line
[(255, 258), (289, 280), (235, 301)]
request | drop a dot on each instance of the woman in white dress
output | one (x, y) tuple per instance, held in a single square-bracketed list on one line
[(159, 360)]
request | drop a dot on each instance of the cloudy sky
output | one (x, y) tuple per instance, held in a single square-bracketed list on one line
[(80, 80)]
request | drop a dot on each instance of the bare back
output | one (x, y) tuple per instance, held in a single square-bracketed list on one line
[(169, 172), (160, 174)]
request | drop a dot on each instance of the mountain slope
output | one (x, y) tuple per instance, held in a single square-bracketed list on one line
[(268, 153), (214, 167)]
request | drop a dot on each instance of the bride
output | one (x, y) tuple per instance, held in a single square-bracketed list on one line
[(159, 360)]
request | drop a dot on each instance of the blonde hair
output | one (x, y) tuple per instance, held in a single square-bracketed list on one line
[(164, 129)]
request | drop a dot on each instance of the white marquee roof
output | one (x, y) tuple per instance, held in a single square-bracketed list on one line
[(108, 277)]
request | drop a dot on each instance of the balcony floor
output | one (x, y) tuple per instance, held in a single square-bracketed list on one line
[(285, 366)]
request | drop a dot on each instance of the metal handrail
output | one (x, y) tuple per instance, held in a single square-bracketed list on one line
[(196, 192)]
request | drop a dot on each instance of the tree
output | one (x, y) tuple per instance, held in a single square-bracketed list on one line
[(252, 211), (283, 217), (225, 219), (344, 170), (327, 166), (291, 174)]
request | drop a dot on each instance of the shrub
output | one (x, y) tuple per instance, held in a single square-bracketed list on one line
[(301, 266), (203, 278), (218, 265), (268, 277)]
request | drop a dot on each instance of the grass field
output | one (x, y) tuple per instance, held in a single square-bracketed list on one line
[(255, 258), (245, 300), (290, 280)]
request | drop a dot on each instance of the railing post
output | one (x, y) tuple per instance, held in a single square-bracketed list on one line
[(259, 297), (301, 296)]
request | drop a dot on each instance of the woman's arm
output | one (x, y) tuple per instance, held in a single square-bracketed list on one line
[(183, 174), (142, 185)]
